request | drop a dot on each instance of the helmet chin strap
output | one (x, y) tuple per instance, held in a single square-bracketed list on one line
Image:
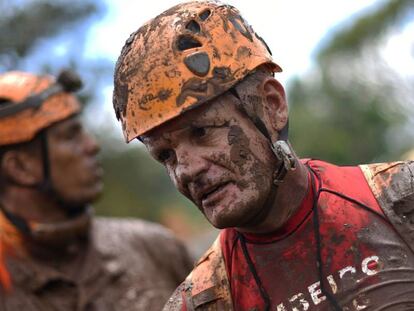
[(46, 184), (283, 153)]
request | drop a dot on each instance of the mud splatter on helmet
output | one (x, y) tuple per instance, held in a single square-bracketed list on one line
[(181, 59)]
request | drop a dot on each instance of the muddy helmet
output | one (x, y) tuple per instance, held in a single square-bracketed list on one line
[(184, 57), (30, 103)]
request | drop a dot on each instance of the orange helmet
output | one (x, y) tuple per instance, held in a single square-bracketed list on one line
[(184, 57), (30, 103)]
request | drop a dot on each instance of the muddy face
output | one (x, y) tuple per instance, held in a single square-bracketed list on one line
[(218, 159), (75, 171)]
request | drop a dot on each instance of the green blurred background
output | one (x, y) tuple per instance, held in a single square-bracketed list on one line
[(349, 107)]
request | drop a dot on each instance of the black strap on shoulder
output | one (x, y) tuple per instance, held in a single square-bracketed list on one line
[(17, 221), (46, 184)]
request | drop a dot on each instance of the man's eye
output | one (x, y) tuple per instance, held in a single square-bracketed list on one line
[(72, 133), (164, 156), (199, 132)]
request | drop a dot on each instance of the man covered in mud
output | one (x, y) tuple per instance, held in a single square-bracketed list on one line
[(54, 255), (196, 85)]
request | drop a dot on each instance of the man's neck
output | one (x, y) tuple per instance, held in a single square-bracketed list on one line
[(32, 205), (53, 234), (290, 194)]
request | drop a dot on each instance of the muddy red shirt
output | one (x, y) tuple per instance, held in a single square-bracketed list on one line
[(366, 265)]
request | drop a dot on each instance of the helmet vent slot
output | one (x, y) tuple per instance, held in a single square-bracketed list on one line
[(205, 14), (187, 42), (198, 63), (193, 26)]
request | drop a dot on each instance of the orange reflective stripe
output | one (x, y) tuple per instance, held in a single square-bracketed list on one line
[(11, 244), (5, 280)]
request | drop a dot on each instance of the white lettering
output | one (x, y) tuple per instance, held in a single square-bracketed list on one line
[(298, 302), (349, 269), (360, 305), (303, 303), (332, 282), (281, 307), (315, 292), (366, 263)]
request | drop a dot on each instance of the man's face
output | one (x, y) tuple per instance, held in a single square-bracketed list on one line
[(76, 174), (218, 159)]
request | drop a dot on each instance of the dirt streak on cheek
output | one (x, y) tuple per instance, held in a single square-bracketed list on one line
[(241, 156), (239, 148), (261, 176)]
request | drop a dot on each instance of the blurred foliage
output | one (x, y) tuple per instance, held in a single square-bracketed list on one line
[(369, 28), (350, 108), (24, 24), (44, 36)]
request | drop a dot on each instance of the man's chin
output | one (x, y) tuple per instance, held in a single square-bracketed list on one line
[(223, 221), (232, 217), (79, 204)]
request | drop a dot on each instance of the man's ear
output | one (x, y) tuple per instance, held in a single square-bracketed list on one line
[(274, 101), (21, 168)]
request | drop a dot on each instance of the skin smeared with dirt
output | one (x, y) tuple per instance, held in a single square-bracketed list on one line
[(240, 154), (239, 146), (218, 159)]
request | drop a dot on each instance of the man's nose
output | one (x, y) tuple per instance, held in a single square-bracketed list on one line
[(190, 166), (91, 144)]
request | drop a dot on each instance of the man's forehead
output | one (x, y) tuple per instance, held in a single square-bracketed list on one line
[(165, 131), (67, 123), (189, 118)]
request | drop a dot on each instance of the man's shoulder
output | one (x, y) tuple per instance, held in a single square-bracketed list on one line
[(322, 165), (130, 227), (390, 182), (207, 286), (153, 244), (393, 186), (389, 168), (132, 233)]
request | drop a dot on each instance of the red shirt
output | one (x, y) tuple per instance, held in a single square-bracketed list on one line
[(366, 265)]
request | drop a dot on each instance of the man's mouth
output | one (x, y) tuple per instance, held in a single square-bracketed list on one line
[(211, 194), (96, 169)]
